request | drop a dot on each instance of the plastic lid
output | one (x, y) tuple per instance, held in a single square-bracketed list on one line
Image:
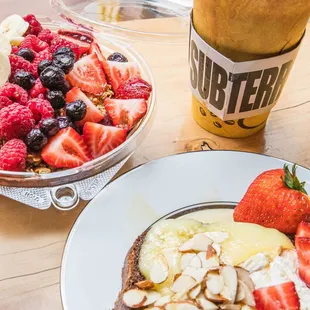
[(113, 16)]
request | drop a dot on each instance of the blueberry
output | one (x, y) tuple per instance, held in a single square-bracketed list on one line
[(64, 122), (26, 53), (65, 51), (36, 140), (106, 121), (117, 57), (24, 79), (53, 78), (65, 87), (56, 98), (64, 62), (49, 127), (43, 64), (76, 110)]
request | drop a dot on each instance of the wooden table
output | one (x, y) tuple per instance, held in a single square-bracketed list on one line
[(32, 241)]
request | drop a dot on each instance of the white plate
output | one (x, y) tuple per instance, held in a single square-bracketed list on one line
[(105, 230)]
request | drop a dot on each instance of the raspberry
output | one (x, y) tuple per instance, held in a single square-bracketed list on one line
[(14, 49), (60, 42), (34, 43), (19, 63), (40, 108), (34, 26), (14, 93), (46, 54), (38, 90), (47, 36), (4, 102), (13, 155), (15, 121)]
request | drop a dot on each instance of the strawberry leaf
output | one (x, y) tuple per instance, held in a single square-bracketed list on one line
[(291, 181)]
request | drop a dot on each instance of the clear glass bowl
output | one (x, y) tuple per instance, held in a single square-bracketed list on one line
[(112, 16), (29, 179)]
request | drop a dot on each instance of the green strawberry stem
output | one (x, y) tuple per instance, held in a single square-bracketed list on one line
[(291, 181)]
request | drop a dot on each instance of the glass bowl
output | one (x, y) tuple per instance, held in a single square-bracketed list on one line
[(29, 179)]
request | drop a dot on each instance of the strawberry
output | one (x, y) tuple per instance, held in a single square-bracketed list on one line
[(275, 199), (88, 75), (95, 49), (277, 297), (66, 150), (304, 272), (102, 139), (134, 88), (93, 114), (119, 72), (303, 249), (303, 230), (125, 113)]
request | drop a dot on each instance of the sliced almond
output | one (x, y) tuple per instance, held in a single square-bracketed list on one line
[(186, 259), (240, 293), (244, 276), (180, 296), (196, 262), (229, 275), (213, 297), (154, 308), (210, 262), (217, 236), (210, 252), (183, 283), (134, 298), (145, 284), (151, 298), (160, 270), (231, 307), (225, 293), (194, 292), (205, 304), (162, 301), (198, 243), (217, 248), (181, 305), (215, 283), (249, 298), (197, 273)]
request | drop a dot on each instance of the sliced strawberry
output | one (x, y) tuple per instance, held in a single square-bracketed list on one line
[(303, 230), (66, 149), (102, 139), (277, 297), (304, 271), (125, 113), (93, 114), (134, 88), (88, 75), (119, 72), (303, 249), (95, 48)]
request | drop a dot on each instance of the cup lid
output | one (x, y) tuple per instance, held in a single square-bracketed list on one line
[(113, 16)]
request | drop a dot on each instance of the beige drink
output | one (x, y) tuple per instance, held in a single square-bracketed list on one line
[(244, 30)]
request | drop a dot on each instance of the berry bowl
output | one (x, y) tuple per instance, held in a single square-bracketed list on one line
[(98, 164)]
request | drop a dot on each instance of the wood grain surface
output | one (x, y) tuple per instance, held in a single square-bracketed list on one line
[(32, 241)]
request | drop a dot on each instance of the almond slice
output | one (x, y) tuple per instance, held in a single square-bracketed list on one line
[(154, 308), (196, 262), (217, 248), (249, 297), (217, 236), (145, 284), (231, 307), (240, 293), (213, 297), (159, 270), (229, 275), (205, 304), (244, 276), (186, 259), (194, 292), (181, 305), (208, 262), (183, 284), (151, 298), (134, 298), (226, 294), (198, 243), (197, 273), (215, 283), (211, 252), (162, 301)]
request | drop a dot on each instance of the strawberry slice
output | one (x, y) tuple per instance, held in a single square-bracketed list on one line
[(277, 297), (125, 113), (304, 271), (88, 75), (93, 114), (119, 72), (102, 139), (66, 149), (95, 48), (134, 88), (303, 249), (303, 230)]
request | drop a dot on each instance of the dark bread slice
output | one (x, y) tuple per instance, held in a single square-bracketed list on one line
[(131, 273)]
